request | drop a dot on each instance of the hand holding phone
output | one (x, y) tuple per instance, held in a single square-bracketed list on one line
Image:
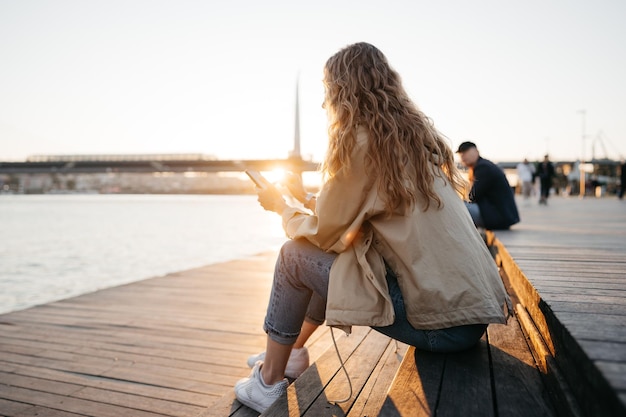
[(258, 179), (269, 196)]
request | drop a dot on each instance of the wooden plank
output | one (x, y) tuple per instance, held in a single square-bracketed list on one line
[(73, 339), (227, 406), (371, 399), (130, 401), (73, 405), (567, 269), (581, 298), (76, 323), (594, 326), (13, 408), (149, 357), (466, 385), (36, 411), (541, 256), (91, 354), (519, 389), (337, 397), (604, 351), (549, 284), (146, 390), (571, 276), (39, 384), (158, 405), (415, 390)]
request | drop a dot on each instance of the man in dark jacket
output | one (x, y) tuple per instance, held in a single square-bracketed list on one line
[(492, 204), (622, 176), (545, 172)]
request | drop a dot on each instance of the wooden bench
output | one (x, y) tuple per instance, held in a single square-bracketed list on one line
[(498, 377)]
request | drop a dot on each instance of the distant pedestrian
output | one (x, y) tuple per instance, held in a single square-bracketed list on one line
[(526, 174), (492, 203), (622, 176), (545, 172)]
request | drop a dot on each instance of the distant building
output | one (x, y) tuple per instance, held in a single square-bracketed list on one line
[(122, 157)]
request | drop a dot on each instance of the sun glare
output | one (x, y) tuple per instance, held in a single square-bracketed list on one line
[(275, 176), (311, 180)]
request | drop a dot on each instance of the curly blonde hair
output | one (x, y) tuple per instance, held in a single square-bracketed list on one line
[(363, 90)]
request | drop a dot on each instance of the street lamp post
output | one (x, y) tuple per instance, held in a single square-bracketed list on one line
[(581, 166)]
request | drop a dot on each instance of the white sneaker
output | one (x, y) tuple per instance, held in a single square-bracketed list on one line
[(254, 393), (298, 362)]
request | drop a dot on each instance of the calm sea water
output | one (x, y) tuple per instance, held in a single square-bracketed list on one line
[(57, 246)]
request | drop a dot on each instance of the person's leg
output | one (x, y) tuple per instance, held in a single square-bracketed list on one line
[(542, 192), (441, 340), (474, 211), (546, 190), (298, 360), (526, 185), (301, 271), (306, 331), (276, 357), (299, 290), (315, 316)]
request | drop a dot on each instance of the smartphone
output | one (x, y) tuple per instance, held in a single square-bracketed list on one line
[(257, 178)]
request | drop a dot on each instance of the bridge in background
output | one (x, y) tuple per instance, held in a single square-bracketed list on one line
[(148, 164)]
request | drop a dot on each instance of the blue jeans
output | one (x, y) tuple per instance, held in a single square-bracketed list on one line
[(474, 211), (300, 289)]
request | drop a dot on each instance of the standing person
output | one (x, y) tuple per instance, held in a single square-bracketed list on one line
[(492, 203), (388, 242), (545, 172), (526, 174), (622, 178)]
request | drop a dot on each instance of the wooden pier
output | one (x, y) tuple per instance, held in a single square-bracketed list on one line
[(166, 346), (175, 345)]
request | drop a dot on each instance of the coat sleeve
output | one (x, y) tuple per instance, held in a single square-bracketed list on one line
[(483, 182), (339, 207)]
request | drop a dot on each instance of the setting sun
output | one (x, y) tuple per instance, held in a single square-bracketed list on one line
[(275, 176)]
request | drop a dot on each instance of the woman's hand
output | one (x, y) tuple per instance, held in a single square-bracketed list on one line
[(271, 199), (293, 182)]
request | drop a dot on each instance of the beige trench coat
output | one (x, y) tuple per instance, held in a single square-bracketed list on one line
[(445, 272)]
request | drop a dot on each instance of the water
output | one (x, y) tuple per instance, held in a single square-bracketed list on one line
[(57, 246)]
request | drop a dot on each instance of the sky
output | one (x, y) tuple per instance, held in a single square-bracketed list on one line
[(518, 78)]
